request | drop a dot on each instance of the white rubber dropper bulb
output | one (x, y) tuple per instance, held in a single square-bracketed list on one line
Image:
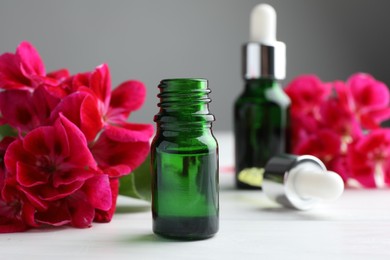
[(323, 185), (263, 24)]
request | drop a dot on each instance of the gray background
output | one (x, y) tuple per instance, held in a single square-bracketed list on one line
[(152, 40)]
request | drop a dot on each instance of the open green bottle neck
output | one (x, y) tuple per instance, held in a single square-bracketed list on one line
[(184, 105)]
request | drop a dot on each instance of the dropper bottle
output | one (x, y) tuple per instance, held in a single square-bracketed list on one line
[(261, 124)]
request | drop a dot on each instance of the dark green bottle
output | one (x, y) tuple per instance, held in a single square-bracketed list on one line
[(184, 158), (260, 126), (261, 112)]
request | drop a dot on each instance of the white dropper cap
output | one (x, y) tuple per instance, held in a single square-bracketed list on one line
[(263, 24), (310, 182), (263, 55), (300, 182)]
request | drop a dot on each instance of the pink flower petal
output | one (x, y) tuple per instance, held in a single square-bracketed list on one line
[(60, 75), (29, 176), (372, 119), (106, 215), (340, 165), (368, 159), (72, 175), (28, 213), (77, 142), (90, 118), (4, 144), (117, 170), (307, 93), (130, 132), (98, 192), (127, 97), (12, 225), (16, 213), (10, 75), (31, 62), (70, 108), (9, 220), (40, 141), (377, 140), (340, 119), (82, 211), (368, 92), (49, 193), (81, 109), (325, 145), (100, 83), (56, 215), (14, 152), (17, 109), (370, 100), (13, 192), (303, 126), (112, 153), (79, 80), (45, 99), (360, 170)]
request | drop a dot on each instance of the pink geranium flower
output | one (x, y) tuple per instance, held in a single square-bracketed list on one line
[(307, 93), (369, 100), (50, 174), (369, 159), (117, 146), (114, 107), (16, 213), (102, 118), (21, 70), (24, 69), (11, 206), (330, 121), (25, 110), (69, 142), (43, 162), (325, 145), (336, 117)]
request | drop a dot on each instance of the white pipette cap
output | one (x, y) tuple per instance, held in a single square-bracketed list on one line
[(264, 56), (300, 182)]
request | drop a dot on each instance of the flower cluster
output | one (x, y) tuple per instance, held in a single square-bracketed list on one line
[(64, 142), (339, 122)]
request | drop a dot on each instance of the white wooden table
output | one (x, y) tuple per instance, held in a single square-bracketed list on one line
[(357, 226)]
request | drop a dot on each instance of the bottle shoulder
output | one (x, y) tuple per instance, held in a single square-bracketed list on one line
[(184, 143), (264, 97)]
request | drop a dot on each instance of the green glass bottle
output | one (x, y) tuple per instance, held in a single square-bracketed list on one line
[(261, 112), (261, 127), (184, 158)]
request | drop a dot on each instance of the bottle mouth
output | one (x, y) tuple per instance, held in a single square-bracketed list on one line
[(183, 90), (181, 85), (181, 80), (183, 101)]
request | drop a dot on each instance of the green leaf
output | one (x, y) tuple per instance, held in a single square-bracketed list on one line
[(138, 183), (7, 130)]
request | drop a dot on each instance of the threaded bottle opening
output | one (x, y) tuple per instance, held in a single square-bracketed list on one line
[(182, 91), (183, 101)]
